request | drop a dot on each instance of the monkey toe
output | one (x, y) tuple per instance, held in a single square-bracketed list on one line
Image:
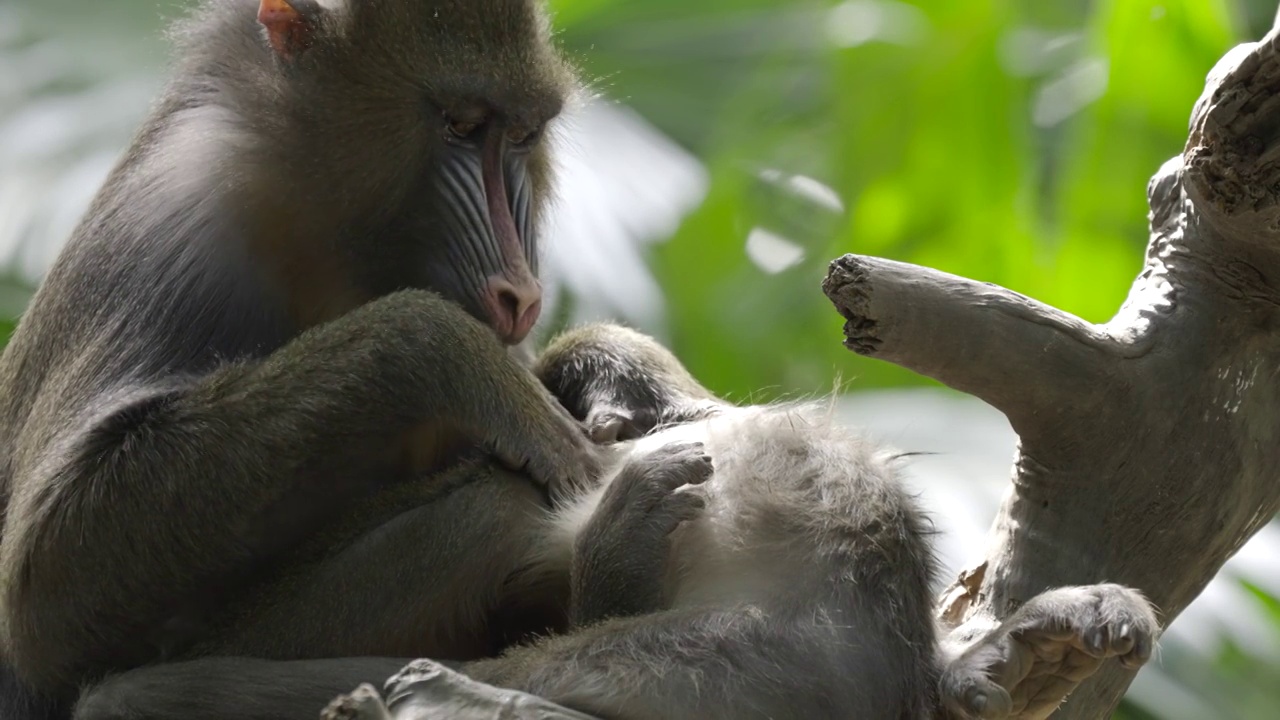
[(1131, 624), (1144, 642), (967, 693)]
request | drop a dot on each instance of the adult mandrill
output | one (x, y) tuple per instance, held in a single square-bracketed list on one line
[(271, 311)]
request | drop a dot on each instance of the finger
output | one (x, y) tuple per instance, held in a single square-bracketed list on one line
[(688, 504), (702, 468)]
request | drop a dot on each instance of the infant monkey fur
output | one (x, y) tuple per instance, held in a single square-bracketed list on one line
[(736, 561)]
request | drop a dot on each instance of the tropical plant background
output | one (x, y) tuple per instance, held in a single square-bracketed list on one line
[(736, 146)]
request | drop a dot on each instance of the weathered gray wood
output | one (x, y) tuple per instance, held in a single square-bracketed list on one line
[(1149, 449)]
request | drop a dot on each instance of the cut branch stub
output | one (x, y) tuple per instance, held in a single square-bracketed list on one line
[(1148, 453), (1019, 355)]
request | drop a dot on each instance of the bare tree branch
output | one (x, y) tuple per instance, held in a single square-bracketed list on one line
[(1148, 453), (1017, 354)]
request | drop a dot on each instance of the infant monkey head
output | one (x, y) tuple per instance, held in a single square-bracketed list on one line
[(620, 383)]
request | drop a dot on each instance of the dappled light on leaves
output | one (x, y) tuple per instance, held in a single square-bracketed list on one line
[(772, 253), (856, 22)]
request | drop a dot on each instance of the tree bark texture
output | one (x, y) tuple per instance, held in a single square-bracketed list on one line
[(1149, 445)]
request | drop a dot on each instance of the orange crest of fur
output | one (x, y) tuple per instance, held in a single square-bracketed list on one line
[(288, 30)]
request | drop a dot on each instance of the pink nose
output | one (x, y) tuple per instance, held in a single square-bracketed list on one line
[(513, 306)]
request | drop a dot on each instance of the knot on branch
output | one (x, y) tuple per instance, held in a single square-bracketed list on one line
[(1232, 158)]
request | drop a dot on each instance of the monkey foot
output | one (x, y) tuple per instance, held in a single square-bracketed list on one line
[(426, 689), (1028, 665)]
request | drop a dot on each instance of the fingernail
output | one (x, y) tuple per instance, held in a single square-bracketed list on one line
[(1095, 640)]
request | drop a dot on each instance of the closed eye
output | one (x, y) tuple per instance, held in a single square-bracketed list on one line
[(461, 129), (523, 138)]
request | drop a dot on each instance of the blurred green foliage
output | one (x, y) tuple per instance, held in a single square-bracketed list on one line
[(1005, 141)]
